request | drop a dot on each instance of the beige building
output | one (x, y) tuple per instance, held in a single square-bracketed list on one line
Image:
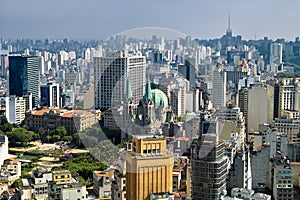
[(287, 93), (62, 177), (102, 181), (288, 126), (260, 106), (149, 167), (51, 118)]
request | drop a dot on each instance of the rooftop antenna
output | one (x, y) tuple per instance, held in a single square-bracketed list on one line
[(228, 21)]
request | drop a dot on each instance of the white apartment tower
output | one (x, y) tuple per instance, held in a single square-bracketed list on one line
[(276, 53), (15, 109), (110, 73)]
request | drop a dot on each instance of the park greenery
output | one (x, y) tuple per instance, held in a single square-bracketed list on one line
[(293, 62), (83, 166)]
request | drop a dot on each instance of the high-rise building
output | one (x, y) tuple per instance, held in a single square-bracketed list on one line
[(260, 106), (3, 62), (15, 109), (276, 53), (243, 102), (209, 168), (286, 96), (219, 87), (50, 95), (149, 167), (111, 74), (24, 77), (188, 71)]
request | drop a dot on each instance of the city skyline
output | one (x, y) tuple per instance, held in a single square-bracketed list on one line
[(101, 19)]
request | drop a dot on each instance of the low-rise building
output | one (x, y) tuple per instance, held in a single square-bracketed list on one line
[(70, 191), (62, 177), (10, 171), (242, 193), (36, 187), (102, 183), (49, 119)]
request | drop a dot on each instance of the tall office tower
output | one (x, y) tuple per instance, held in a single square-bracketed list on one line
[(286, 96), (149, 168), (243, 103), (50, 96), (15, 109), (219, 87), (3, 62), (111, 74), (24, 77), (188, 41), (188, 71), (276, 53), (260, 106), (209, 168)]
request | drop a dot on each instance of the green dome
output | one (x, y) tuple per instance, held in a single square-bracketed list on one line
[(159, 98)]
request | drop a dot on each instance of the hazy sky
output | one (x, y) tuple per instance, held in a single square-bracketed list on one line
[(99, 19)]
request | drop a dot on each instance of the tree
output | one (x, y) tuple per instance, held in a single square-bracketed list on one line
[(55, 138), (21, 136), (61, 131), (3, 120), (67, 138)]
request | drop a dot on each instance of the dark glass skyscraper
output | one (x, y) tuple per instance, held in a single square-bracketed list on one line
[(24, 77)]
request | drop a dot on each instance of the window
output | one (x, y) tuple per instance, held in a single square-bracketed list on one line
[(78, 190)]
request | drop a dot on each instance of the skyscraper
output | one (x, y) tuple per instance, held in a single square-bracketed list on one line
[(209, 168), (276, 53), (3, 62), (149, 167), (260, 106), (24, 77), (243, 102), (111, 74), (219, 87), (50, 96)]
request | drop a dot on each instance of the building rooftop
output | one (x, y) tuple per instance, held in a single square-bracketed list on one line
[(61, 172), (62, 112), (103, 173), (148, 136)]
